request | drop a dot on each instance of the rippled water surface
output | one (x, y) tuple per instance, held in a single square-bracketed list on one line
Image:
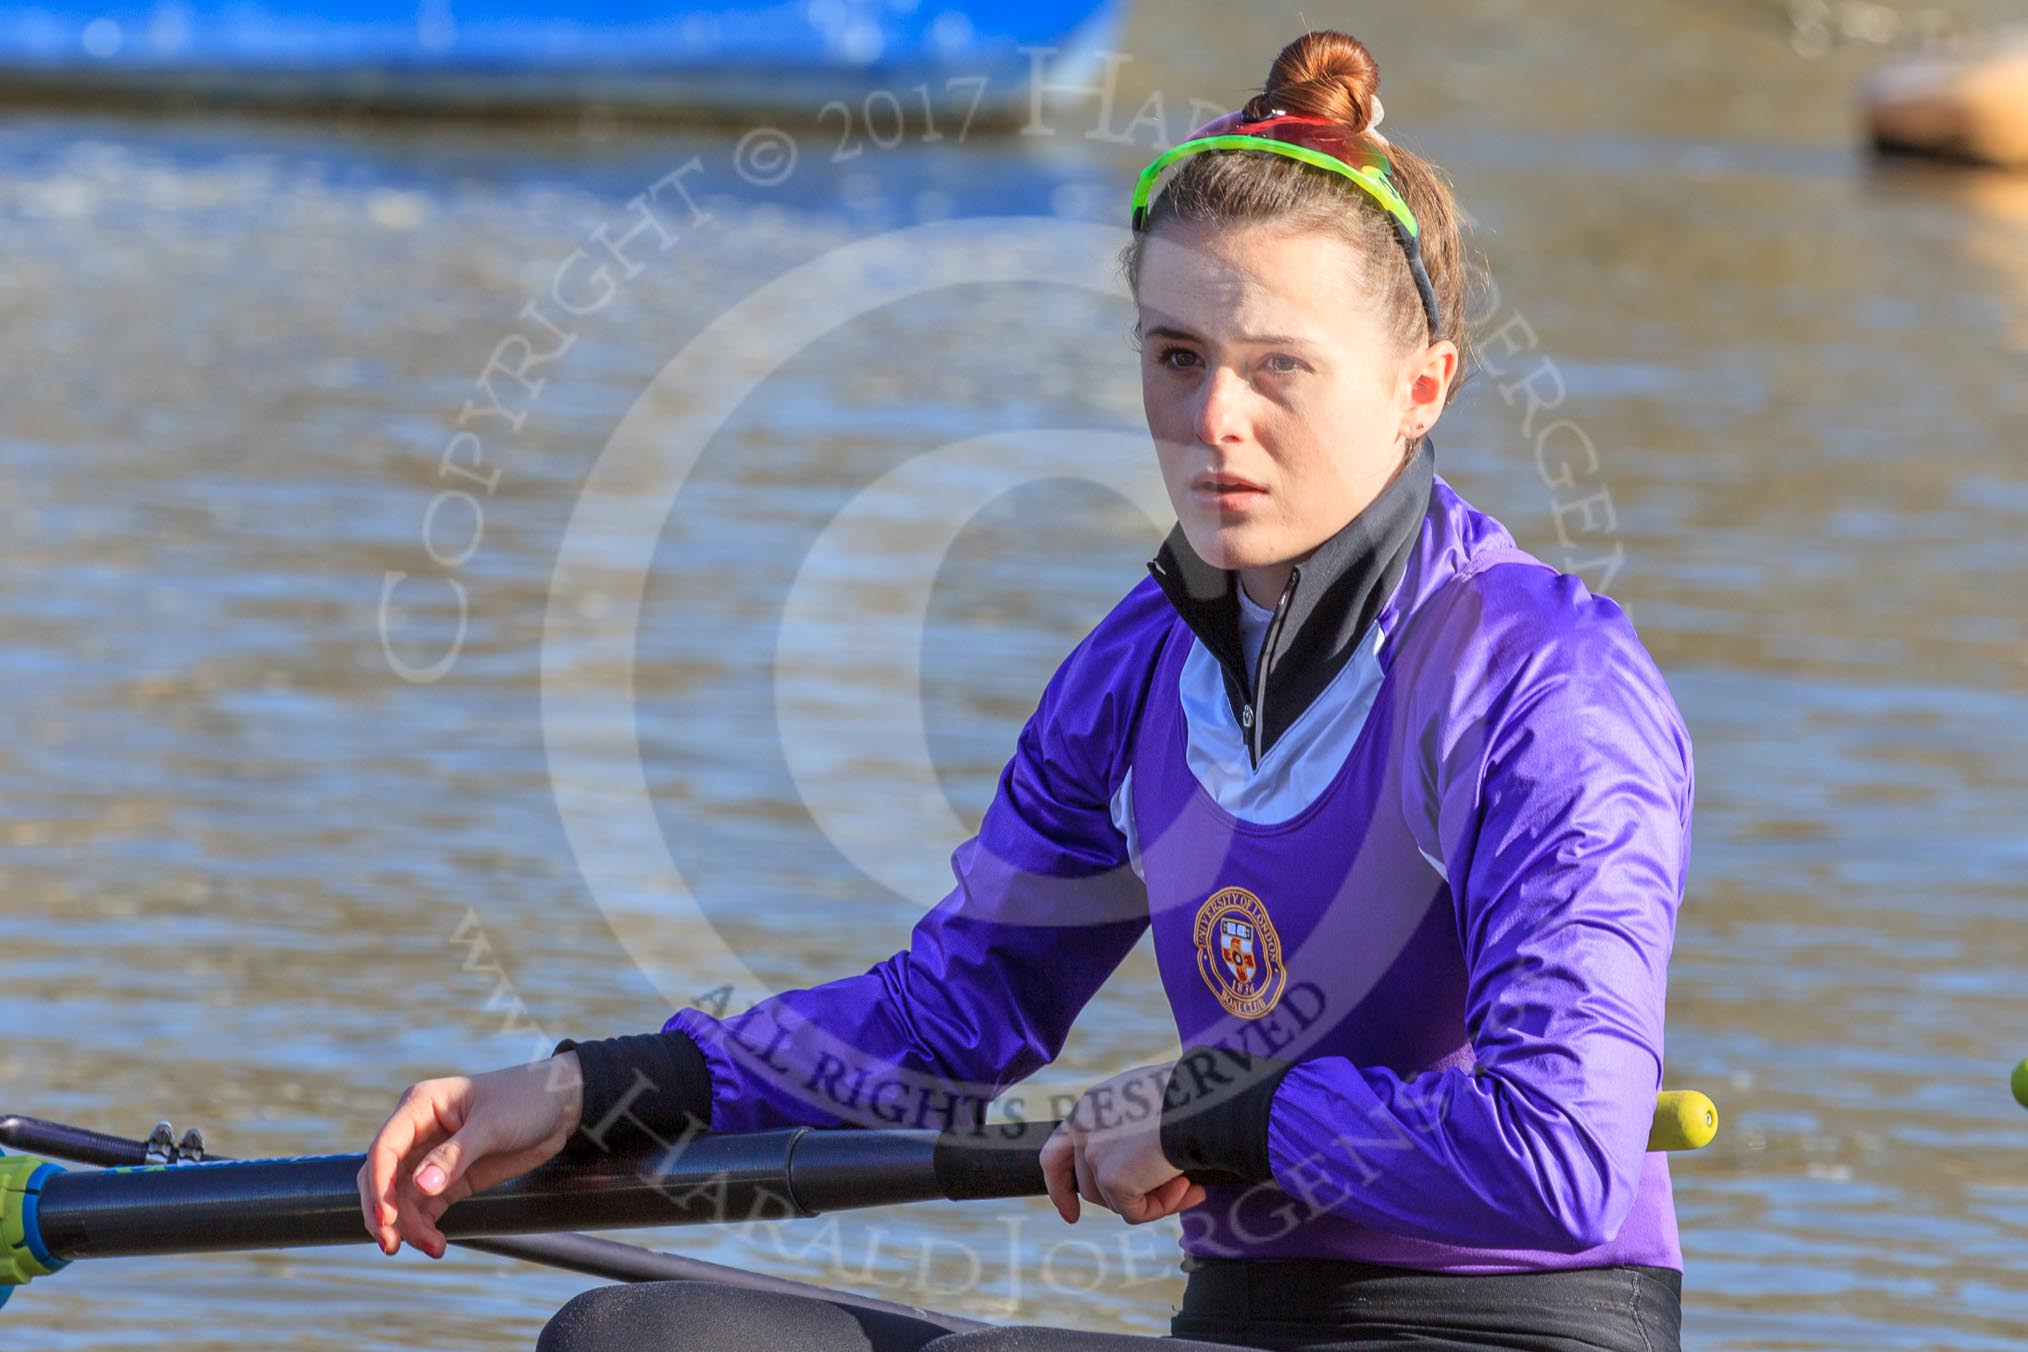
[(256, 881)]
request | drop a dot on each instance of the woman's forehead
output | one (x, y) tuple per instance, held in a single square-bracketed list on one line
[(1247, 286)]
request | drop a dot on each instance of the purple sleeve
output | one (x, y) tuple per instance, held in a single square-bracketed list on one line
[(1044, 908), (1563, 785)]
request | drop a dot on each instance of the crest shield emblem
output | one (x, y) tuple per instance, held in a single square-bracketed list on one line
[(1236, 947), (1239, 954)]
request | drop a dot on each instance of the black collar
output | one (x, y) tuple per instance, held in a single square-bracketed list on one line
[(1325, 610)]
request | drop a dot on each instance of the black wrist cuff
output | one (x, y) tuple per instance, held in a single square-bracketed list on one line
[(647, 1090), (1215, 1115)]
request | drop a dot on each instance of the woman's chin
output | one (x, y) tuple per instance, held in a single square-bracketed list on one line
[(1234, 544)]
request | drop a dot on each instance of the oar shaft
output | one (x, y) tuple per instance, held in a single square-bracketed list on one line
[(587, 1254), (261, 1204)]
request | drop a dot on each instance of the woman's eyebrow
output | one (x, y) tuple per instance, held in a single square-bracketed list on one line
[(1262, 339)]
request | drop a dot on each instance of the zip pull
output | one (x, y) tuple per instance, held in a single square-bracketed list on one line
[(1267, 652)]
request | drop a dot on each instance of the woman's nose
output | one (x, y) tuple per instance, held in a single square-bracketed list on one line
[(1222, 407)]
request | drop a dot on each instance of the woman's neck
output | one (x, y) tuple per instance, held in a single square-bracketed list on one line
[(1264, 585)]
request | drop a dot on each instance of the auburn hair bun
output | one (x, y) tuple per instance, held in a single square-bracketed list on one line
[(1323, 73)]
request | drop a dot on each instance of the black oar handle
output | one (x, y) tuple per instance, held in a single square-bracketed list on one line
[(280, 1203), (257, 1204), (1003, 1160), (772, 1175), (587, 1254)]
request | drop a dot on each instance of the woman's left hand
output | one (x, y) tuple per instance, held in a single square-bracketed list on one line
[(1109, 1152)]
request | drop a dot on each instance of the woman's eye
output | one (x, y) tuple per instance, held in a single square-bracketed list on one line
[(1183, 359)]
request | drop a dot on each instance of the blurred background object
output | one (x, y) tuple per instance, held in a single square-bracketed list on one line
[(1963, 105), (685, 58)]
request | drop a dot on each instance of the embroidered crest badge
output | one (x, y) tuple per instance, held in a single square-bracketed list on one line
[(1239, 953)]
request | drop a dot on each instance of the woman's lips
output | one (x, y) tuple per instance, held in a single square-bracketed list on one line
[(1226, 492)]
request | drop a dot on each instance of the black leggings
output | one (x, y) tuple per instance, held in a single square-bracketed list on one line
[(1337, 1307)]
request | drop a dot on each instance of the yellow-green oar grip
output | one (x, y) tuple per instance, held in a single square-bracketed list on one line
[(2021, 1084), (22, 1257), (1686, 1120)]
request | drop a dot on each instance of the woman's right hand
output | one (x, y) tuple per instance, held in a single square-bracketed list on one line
[(450, 1138)]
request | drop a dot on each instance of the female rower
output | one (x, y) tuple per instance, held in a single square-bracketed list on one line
[(1406, 809)]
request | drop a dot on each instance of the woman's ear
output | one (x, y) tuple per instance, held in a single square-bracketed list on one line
[(1429, 378)]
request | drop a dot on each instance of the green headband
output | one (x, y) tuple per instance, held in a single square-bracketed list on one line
[(1371, 174)]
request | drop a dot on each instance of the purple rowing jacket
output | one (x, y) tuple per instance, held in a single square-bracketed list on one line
[(1413, 890)]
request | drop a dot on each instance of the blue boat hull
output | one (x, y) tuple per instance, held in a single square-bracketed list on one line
[(675, 56)]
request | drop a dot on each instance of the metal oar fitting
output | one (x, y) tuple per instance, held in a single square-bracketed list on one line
[(164, 1149), (22, 1256)]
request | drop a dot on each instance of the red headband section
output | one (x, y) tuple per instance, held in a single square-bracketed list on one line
[(1302, 129)]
